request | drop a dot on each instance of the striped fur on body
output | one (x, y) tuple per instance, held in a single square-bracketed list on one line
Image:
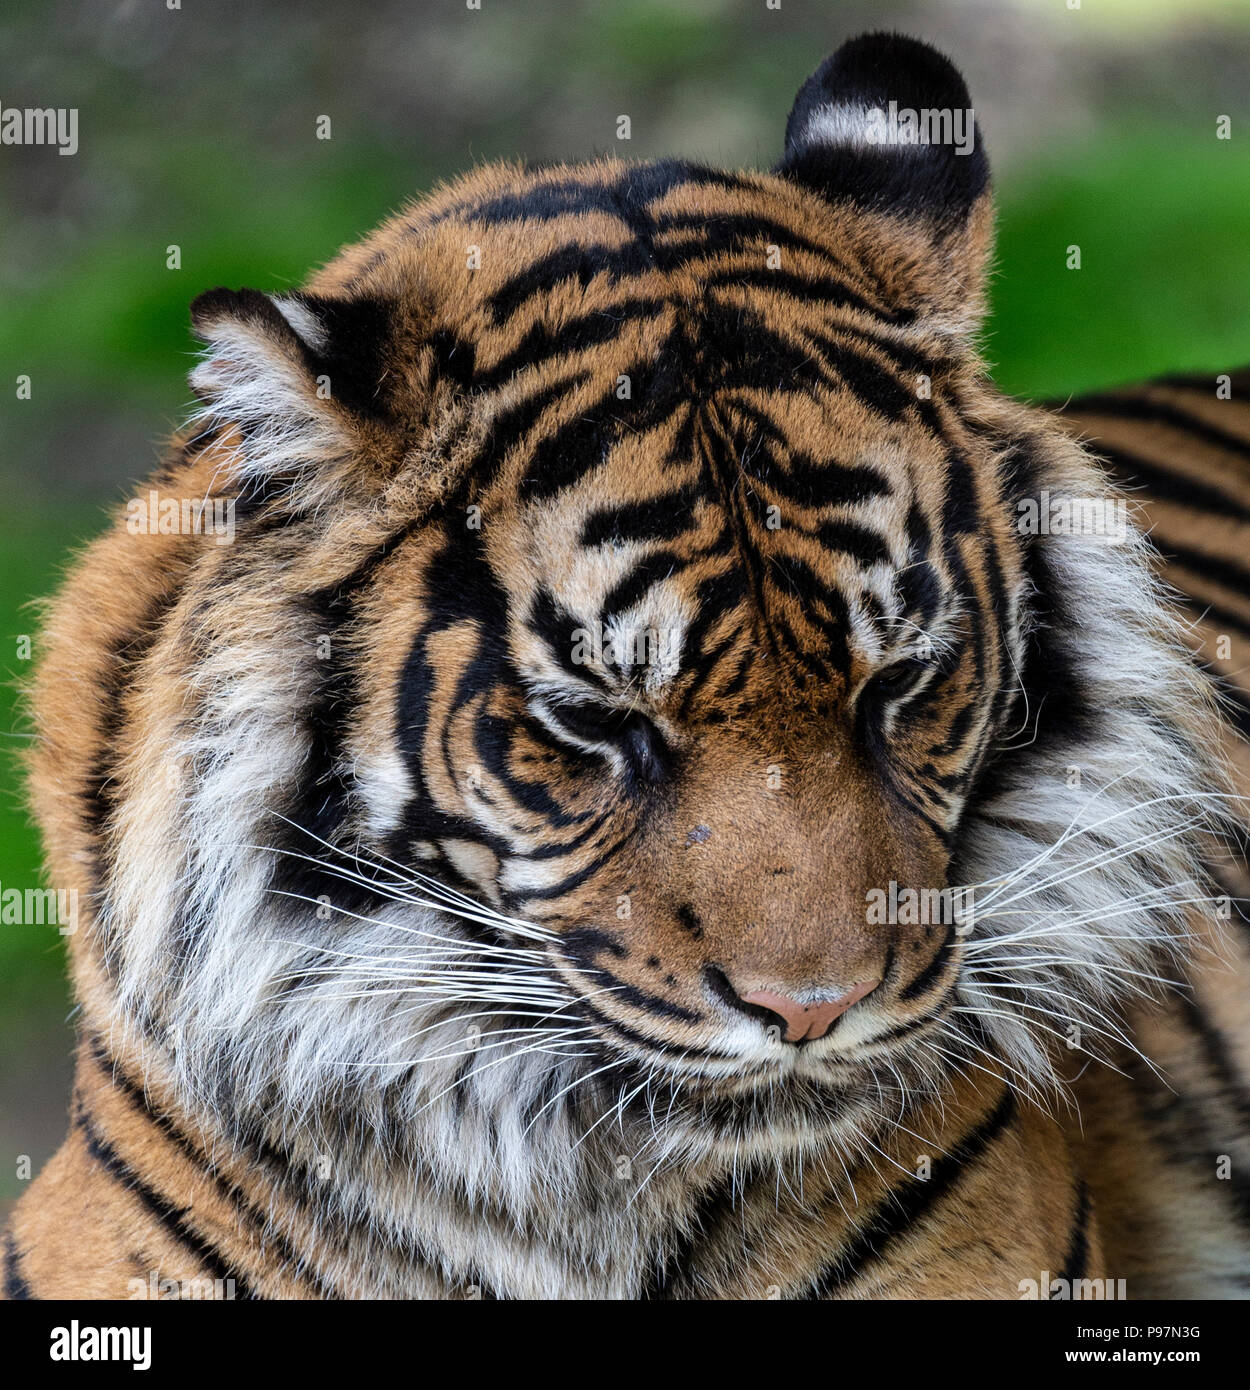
[(418, 942), (1179, 448)]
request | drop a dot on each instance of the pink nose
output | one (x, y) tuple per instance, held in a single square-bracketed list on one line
[(805, 1022)]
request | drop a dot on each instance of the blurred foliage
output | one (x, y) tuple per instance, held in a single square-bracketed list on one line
[(1164, 233), (30, 560)]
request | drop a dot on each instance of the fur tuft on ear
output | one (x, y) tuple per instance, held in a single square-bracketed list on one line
[(297, 375), (260, 377)]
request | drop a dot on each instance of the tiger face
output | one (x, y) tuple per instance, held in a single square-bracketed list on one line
[(628, 610), (725, 687)]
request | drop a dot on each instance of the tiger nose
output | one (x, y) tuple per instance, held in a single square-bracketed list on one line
[(806, 1022)]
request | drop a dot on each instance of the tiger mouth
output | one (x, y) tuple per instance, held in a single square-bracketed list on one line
[(726, 1041), (717, 1071)]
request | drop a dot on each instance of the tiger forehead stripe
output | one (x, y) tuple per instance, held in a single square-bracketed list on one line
[(664, 216), (643, 339)]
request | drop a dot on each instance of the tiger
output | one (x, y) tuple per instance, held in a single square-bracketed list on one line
[(647, 800)]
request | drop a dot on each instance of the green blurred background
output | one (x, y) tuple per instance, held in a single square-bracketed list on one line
[(197, 128)]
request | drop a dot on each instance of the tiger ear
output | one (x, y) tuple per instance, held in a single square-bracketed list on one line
[(886, 124), (298, 376)]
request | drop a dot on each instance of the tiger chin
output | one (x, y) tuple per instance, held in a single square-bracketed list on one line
[(625, 583)]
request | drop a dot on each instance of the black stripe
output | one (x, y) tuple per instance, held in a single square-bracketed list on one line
[(317, 808), (1190, 1131), (1051, 687), (912, 1025), (514, 423), (1218, 1057), (559, 629), (1210, 570), (520, 897), (935, 968), (862, 543), (1216, 615), (633, 587), (1239, 380), (625, 198), (230, 1191), (124, 657), (868, 380), (580, 444), (660, 518), (807, 289), (1144, 408), (577, 261), (622, 991), (735, 231), (659, 1046), (1233, 700), (172, 1219), (672, 1264), (824, 482), (1077, 1258), (541, 343), (16, 1289), (908, 1204), (1213, 568), (1167, 484)]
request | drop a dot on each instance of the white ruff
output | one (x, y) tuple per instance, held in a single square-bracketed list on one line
[(1089, 861)]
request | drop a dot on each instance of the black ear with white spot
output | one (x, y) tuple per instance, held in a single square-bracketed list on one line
[(299, 376), (885, 129), (887, 124)]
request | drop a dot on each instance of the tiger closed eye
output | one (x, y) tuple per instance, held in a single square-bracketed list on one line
[(590, 720), (649, 755), (629, 730), (899, 676)]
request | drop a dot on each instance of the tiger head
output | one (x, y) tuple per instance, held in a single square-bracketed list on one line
[(631, 685)]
